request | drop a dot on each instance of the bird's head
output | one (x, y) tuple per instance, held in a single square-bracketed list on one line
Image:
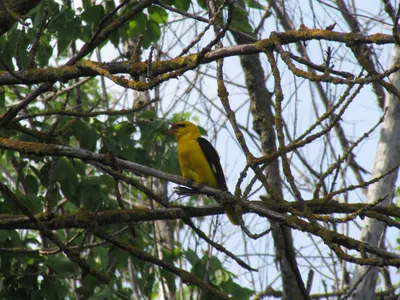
[(183, 128)]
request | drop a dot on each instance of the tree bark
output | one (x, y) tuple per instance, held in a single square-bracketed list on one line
[(263, 123), (164, 230), (387, 156)]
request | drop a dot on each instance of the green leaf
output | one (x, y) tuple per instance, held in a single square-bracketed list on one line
[(3, 235), (32, 184), (198, 269), (148, 287), (101, 255), (8, 44), (93, 14), (69, 186), (44, 175), (215, 263), (114, 38), (176, 117), (2, 99), (240, 19), (105, 293), (182, 4), (15, 238), (168, 255), (44, 52), (169, 278), (80, 167), (118, 140), (86, 135), (61, 265), (53, 196), (88, 285), (66, 27), (124, 128), (34, 202), (149, 131), (191, 256), (62, 45), (147, 114), (177, 253), (16, 293), (87, 3), (66, 175), (63, 169), (91, 192), (254, 4), (152, 33), (158, 14), (169, 162), (217, 277), (29, 282), (6, 270), (237, 291), (137, 25), (52, 289), (24, 41), (110, 5), (37, 14), (107, 181), (202, 131), (86, 32), (202, 4)]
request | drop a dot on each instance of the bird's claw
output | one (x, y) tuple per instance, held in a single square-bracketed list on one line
[(184, 191), (190, 183)]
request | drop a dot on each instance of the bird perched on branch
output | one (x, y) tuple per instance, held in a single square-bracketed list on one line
[(199, 161)]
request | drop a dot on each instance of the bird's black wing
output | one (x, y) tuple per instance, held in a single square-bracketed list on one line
[(213, 160)]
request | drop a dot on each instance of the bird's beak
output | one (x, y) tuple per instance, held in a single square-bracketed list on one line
[(172, 130)]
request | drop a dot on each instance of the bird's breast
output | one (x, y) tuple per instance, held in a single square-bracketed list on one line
[(194, 163)]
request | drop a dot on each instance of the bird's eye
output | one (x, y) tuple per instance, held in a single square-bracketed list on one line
[(181, 125)]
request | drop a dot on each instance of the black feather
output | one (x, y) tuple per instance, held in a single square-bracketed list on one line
[(213, 160)]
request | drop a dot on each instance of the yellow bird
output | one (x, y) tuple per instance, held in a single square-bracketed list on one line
[(199, 161)]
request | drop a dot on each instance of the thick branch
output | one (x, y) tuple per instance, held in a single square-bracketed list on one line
[(109, 217), (86, 219), (65, 73)]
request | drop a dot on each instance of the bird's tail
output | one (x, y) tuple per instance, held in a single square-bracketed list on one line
[(232, 214)]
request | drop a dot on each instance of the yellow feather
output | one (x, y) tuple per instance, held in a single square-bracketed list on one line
[(194, 164)]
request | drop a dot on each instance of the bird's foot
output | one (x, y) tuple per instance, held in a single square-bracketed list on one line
[(184, 191), (190, 183)]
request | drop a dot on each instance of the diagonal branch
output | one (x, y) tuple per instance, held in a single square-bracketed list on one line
[(15, 109)]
